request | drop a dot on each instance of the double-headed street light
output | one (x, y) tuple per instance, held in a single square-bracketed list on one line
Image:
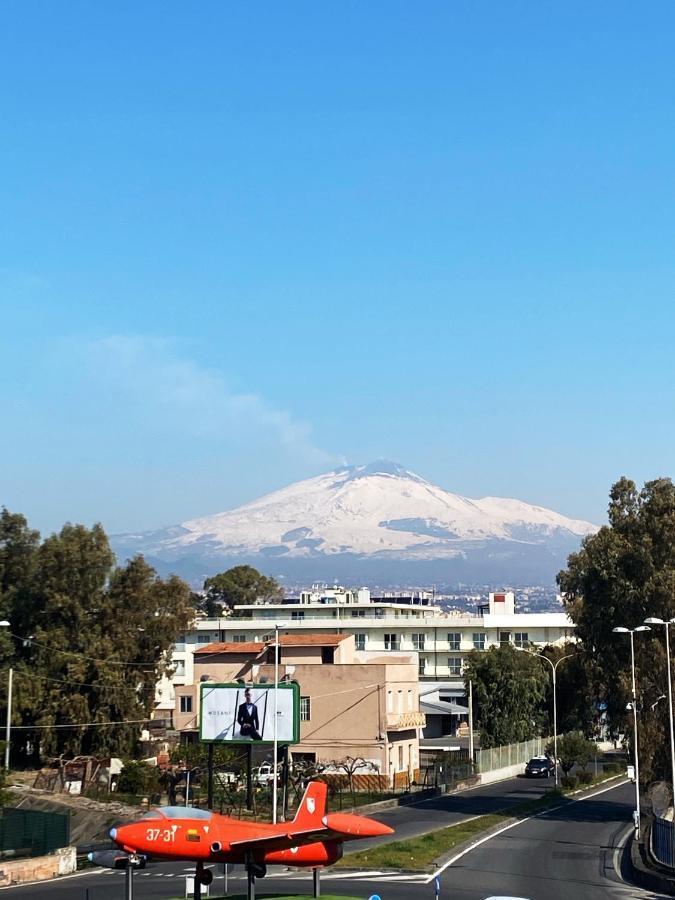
[(631, 631), (554, 666), (653, 620)]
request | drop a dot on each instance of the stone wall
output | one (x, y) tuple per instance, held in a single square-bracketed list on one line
[(38, 868)]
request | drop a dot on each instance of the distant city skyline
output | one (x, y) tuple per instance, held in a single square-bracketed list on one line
[(243, 245)]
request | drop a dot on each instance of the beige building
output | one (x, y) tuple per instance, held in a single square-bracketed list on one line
[(353, 703)]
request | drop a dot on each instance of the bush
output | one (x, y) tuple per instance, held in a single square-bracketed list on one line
[(569, 782), (137, 777), (612, 768), (585, 777)]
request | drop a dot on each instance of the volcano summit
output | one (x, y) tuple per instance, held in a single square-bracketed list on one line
[(378, 523)]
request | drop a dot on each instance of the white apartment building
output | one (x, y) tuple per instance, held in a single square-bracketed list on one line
[(440, 639)]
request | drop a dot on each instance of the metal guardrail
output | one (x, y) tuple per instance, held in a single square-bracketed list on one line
[(662, 841)]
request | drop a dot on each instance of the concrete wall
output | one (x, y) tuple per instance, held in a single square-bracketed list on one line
[(38, 868)]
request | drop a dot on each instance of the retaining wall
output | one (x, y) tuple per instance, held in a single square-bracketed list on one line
[(38, 868)]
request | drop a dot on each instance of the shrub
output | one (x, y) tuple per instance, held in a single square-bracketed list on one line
[(569, 782), (585, 777), (137, 777), (611, 768)]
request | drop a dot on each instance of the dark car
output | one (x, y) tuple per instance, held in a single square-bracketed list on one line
[(540, 767)]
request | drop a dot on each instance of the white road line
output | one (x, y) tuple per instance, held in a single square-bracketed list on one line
[(495, 834)]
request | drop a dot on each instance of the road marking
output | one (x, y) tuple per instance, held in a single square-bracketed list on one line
[(495, 834)]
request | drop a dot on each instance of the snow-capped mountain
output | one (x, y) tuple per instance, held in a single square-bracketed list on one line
[(361, 522)]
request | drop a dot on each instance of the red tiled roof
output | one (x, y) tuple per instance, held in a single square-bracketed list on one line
[(311, 640), (251, 647)]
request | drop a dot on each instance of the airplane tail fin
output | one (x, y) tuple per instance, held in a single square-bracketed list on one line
[(312, 809)]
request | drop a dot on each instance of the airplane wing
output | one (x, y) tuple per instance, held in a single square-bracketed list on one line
[(282, 841)]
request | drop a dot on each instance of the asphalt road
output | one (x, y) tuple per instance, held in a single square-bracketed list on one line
[(572, 853), (411, 821)]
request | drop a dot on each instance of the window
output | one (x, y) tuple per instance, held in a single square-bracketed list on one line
[(504, 638), (328, 655), (390, 701), (400, 702), (298, 614), (418, 641), (239, 638), (305, 709), (422, 666), (203, 639), (360, 641), (186, 704), (455, 665), (180, 667), (479, 640), (521, 639), (391, 642), (358, 613), (410, 700), (454, 640), (400, 757)]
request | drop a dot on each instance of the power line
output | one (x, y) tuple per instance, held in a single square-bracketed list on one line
[(107, 661), (79, 725)]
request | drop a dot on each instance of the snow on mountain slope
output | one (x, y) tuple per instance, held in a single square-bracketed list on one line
[(376, 510)]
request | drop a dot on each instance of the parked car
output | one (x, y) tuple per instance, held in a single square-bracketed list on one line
[(264, 774), (540, 767)]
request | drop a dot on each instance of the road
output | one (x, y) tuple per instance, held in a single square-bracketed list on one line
[(411, 821), (572, 852), (569, 852)]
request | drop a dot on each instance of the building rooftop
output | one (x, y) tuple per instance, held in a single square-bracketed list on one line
[(311, 640), (230, 647)]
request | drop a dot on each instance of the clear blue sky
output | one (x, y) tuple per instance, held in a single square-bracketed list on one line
[(241, 242)]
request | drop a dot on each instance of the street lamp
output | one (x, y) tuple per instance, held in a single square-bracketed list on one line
[(277, 626), (631, 631), (653, 620), (8, 726), (554, 667)]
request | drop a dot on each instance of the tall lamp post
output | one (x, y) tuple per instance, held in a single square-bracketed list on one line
[(653, 620), (631, 631), (8, 726), (275, 775), (554, 667)]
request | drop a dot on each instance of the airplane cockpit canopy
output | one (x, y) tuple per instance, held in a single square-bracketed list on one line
[(178, 812)]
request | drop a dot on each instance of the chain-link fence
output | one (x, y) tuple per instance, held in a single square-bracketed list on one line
[(510, 754)]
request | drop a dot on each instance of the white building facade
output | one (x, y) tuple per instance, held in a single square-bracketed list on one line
[(441, 639)]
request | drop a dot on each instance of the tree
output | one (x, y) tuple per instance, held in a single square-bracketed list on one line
[(576, 704), (238, 586), (621, 575), (95, 641), (352, 765), (509, 691), (573, 750)]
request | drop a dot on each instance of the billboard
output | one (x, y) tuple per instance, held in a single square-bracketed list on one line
[(244, 714)]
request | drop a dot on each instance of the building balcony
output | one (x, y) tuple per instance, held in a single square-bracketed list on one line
[(405, 721)]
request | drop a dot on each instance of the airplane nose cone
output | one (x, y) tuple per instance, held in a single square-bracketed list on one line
[(113, 833)]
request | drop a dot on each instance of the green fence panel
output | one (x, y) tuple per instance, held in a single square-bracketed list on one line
[(32, 833)]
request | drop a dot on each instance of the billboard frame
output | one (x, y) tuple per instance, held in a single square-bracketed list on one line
[(254, 686)]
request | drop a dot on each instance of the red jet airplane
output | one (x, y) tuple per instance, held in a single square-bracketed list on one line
[(313, 839)]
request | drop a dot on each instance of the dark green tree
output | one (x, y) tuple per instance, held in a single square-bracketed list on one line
[(577, 705), (239, 586), (620, 576), (509, 692), (573, 750), (95, 640)]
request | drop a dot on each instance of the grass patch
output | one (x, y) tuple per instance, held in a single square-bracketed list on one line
[(420, 852)]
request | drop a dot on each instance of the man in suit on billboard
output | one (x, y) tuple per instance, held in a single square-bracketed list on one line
[(247, 718)]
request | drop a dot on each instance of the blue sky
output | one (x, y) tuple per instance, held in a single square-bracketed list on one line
[(241, 243)]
